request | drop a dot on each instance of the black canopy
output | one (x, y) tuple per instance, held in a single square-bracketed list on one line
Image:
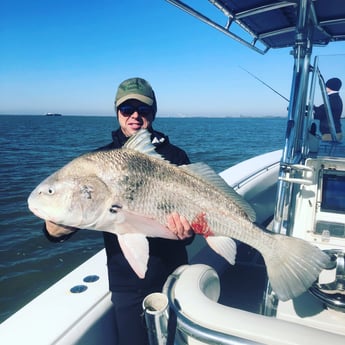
[(269, 24)]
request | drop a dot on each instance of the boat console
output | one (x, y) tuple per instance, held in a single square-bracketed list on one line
[(320, 219), (317, 215)]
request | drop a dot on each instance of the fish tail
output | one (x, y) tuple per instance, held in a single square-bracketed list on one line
[(293, 266)]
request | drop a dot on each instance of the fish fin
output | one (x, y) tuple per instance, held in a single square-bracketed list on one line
[(141, 142), (135, 248), (224, 246), (209, 175), (293, 266), (130, 223)]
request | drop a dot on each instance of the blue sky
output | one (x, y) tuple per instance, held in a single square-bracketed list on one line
[(69, 56)]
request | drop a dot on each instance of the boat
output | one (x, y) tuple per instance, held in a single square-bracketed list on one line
[(296, 191), (53, 114)]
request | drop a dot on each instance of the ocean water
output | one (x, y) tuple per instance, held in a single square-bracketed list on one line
[(33, 147)]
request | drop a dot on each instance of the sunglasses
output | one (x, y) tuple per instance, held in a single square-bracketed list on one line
[(142, 110)]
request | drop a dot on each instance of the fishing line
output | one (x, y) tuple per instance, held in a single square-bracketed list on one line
[(261, 81)]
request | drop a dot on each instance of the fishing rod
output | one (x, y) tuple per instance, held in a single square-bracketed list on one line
[(261, 81)]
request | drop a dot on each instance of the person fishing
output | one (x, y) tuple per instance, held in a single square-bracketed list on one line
[(136, 106), (333, 86)]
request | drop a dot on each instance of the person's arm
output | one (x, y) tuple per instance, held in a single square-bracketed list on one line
[(58, 233), (319, 112)]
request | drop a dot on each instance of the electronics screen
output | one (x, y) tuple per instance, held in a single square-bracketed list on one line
[(333, 193)]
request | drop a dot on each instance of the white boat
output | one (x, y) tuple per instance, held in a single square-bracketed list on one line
[(298, 191)]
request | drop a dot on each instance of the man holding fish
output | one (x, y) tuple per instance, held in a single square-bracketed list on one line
[(136, 106)]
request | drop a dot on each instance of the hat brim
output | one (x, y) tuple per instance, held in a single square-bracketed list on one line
[(141, 98)]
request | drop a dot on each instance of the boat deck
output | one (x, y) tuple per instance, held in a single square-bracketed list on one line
[(243, 285)]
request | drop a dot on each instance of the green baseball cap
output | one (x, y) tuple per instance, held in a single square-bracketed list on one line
[(135, 88)]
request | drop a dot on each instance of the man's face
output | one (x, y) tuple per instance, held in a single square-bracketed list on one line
[(134, 115)]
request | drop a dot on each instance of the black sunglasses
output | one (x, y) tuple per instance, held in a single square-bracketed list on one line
[(142, 110)]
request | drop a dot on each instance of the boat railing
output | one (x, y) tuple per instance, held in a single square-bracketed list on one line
[(190, 314), (168, 325), (325, 100), (297, 145)]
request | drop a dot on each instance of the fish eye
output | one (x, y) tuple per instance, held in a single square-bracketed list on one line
[(51, 191)]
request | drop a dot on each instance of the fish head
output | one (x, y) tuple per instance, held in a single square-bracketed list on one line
[(72, 200)]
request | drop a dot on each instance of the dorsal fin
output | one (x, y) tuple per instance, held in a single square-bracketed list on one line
[(209, 175), (141, 142)]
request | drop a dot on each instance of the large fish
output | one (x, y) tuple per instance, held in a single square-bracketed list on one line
[(130, 191)]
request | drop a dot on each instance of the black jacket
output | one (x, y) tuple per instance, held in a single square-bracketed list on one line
[(337, 108)]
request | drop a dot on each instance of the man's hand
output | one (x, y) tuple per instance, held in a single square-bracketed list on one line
[(56, 230), (179, 225)]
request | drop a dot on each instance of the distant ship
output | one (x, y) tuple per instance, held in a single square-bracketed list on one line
[(53, 114)]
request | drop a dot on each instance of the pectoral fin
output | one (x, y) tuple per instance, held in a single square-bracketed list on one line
[(127, 222), (224, 246), (135, 248)]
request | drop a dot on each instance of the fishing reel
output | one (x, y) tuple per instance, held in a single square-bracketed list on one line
[(332, 293)]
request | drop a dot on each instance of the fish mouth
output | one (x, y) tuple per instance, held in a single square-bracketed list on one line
[(37, 212)]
